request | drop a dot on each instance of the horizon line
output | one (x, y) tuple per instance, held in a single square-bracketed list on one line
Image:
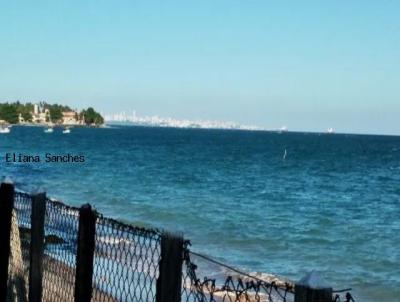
[(296, 131)]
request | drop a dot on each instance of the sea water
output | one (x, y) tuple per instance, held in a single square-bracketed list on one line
[(331, 204)]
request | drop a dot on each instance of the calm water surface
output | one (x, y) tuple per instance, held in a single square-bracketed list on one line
[(333, 205)]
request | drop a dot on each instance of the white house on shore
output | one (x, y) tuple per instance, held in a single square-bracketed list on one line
[(40, 116), (71, 118)]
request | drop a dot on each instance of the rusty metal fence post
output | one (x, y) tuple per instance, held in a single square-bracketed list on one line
[(85, 254), (169, 282)]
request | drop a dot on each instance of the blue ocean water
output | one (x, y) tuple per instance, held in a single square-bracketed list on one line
[(332, 205)]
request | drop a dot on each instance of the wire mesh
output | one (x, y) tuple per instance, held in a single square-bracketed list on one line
[(59, 262), (18, 270), (344, 296), (126, 264), (126, 258), (23, 210), (223, 285)]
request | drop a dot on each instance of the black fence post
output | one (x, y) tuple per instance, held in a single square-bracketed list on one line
[(6, 208), (85, 254), (37, 246), (169, 282), (312, 288)]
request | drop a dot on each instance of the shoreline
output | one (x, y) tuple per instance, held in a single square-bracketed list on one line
[(57, 125)]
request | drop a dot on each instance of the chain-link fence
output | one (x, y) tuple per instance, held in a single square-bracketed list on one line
[(208, 280), (60, 238), (59, 264), (205, 279), (126, 262), (63, 253)]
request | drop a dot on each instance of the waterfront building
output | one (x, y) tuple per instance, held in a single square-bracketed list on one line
[(39, 115), (70, 118), (35, 109)]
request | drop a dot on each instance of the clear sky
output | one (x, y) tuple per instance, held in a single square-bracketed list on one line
[(308, 65)]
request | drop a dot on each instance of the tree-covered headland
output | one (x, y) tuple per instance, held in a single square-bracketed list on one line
[(90, 116), (17, 112)]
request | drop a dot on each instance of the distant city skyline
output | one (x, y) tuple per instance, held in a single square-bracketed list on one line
[(162, 121), (308, 65)]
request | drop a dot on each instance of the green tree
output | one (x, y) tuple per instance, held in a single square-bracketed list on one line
[(25, 110), (55, 114), (9, 113), (92, 117)]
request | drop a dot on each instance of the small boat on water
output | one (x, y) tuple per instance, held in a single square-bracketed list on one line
[(330, 131), (49, 130), (66, 131), (4, 129), (283, 129)]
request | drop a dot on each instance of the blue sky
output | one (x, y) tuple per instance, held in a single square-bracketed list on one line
[(309, 65)]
